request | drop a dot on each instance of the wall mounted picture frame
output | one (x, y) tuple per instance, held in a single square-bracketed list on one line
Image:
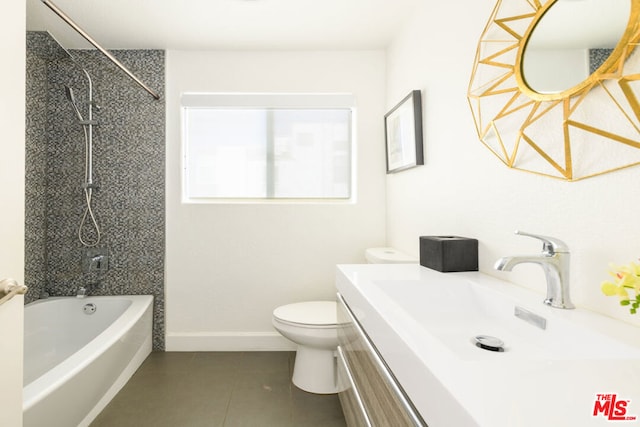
[(403, 134)]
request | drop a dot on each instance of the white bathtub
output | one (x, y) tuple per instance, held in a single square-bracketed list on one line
[(76, 362)]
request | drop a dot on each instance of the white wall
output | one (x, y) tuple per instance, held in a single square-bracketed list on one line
[(229, 265), (463, 189), (12, 143)]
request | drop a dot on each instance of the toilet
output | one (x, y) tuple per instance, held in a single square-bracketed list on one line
[(313, 326), (388, 256)]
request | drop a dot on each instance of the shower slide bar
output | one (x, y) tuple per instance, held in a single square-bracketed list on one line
[(11, 288), (105, 52)]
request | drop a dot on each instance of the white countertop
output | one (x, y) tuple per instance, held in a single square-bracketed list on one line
[(456, 384)]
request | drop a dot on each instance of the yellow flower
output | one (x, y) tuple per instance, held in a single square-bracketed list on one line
[(609, 289), (622, 293), (633, 268), (625, 278)]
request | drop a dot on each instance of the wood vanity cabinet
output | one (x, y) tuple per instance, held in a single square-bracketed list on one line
[(369, 394)]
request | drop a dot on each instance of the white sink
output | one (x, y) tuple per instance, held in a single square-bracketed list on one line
[(456, 310), (423, 323)]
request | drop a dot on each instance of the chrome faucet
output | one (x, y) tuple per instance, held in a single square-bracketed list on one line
[(96, 264), (554, 260), (82, 292)]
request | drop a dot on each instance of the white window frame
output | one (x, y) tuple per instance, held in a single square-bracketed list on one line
[(267, 101)]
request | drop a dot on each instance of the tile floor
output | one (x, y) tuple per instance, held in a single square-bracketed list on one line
[(218, 389)]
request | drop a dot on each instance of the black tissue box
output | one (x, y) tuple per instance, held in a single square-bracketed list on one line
[(449, 253)]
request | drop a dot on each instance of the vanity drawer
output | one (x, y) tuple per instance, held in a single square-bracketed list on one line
[(350, 399), (383, 400)]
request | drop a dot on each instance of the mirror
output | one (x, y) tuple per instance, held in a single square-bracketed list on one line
[(573, 128), (571, 41)]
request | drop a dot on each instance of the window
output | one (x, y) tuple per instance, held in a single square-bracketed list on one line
[(267, 146)]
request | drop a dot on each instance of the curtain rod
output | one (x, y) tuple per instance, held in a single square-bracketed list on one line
[(105, 52)]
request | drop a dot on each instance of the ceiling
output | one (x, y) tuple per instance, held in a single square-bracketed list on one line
[(225, 24)]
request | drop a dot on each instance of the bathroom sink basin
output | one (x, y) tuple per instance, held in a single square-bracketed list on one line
[(456, 310), (423, 323)]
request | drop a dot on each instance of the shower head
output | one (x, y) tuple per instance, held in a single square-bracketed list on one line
[(72, 99)]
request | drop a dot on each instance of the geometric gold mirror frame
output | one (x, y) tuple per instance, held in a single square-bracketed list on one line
[(585, 128)]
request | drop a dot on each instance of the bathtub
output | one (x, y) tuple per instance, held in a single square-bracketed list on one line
[(78, 353)]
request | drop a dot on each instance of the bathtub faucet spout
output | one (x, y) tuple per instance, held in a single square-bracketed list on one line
[(82, 292)]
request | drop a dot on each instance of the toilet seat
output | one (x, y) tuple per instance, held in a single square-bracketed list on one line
[(310, 314)]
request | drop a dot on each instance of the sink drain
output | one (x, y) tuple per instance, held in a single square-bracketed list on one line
[(490, 343)]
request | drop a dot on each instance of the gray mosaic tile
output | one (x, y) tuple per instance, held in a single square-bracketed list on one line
[(597, 57), (129, 150)]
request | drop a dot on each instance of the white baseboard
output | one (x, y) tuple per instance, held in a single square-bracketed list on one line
[(227, 341)]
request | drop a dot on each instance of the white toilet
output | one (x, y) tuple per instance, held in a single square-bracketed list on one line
[(313, 325), (387, 256)]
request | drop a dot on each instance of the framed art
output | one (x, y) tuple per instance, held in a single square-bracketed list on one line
[(403, 134)]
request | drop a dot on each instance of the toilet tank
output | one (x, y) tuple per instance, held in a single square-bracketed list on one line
[(388, 256)]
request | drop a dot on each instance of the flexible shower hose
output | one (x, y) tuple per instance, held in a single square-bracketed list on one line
[(88, 193)]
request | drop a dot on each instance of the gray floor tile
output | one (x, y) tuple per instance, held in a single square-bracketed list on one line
[(316, 409), (267, 380), (218, 389), (162, 361), (265, 361), (228, 361), (260, 406)]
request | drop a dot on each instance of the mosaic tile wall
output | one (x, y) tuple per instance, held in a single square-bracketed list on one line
[(40, 48), (597, 58), (129, 152)]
